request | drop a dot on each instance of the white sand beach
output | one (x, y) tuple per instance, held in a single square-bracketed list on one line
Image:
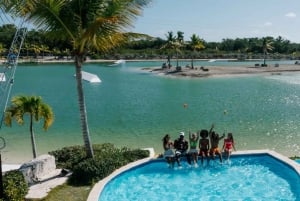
[(222, 71)]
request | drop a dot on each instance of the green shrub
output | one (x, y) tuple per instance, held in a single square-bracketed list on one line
[(15, 187), (133, 155), (68, 157), (107, 159), (295, 157), (91, 170)]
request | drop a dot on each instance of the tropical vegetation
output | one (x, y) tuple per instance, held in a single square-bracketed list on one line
[(38, 44), (86, 25), (85, 170), (15, 188), (266, 46), (196, 44), (35, 108)]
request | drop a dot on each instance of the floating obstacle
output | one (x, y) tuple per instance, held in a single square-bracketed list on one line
[(118, 62), (90, 77), (2, 77)]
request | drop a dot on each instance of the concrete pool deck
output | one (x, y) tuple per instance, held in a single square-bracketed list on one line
[(98, 187)]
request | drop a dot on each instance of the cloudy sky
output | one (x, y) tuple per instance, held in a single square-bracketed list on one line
[(214, 20)]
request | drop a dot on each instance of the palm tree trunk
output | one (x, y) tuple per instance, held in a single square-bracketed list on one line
[(82, 107), (33, 145), (176, 59), (265, 55), (192, 62)]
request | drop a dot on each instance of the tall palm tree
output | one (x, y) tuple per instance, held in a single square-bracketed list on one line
[(35, 108), (178, 44), (173, 43), (196, 44), (169, 45), (97, 24), (267, 45), (180, 37)]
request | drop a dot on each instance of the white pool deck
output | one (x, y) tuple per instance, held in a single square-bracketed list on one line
[(98, 187)]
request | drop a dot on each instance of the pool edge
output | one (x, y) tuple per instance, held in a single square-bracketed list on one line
[(293, 164), (98, 187)]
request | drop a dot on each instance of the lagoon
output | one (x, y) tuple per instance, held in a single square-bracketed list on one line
[(134, 108)]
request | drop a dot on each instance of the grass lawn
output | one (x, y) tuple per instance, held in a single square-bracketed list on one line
[(67, 193)]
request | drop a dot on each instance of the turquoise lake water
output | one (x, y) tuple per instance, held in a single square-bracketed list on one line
[(134, 108)]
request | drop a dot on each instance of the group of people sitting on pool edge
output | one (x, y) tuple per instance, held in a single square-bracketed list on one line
[(208, 147)]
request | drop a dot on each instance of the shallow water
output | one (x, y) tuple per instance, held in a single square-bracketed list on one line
[(134, 108), (244, 178)]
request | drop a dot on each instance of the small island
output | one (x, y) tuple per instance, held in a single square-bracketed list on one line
[(223, 71)]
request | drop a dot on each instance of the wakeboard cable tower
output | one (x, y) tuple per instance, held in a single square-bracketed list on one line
[(7, 72)]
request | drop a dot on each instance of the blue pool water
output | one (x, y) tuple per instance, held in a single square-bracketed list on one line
[(256, 177)]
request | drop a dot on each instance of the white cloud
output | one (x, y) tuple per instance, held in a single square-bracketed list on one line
[(268, 24), (290, 15)]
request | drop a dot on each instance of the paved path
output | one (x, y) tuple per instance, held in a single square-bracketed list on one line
[(42, 189)]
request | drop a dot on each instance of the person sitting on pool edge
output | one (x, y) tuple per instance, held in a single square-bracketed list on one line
[(193, 147), (168, 154), (214, 144), (204, 146), (228, 145), (181, 146)]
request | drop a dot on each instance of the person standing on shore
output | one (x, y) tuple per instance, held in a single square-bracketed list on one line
[(168, 146), (181, 146)]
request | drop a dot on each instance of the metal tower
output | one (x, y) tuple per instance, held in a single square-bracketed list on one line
[(7, 71)]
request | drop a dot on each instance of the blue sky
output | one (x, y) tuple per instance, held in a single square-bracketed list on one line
[(214, 20)]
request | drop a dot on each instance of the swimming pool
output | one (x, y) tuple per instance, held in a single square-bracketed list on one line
[(247, 177)]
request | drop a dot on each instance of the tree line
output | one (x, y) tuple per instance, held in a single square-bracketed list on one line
[(38, 44)]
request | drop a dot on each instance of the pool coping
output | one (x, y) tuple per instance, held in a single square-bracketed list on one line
[(98, 187)]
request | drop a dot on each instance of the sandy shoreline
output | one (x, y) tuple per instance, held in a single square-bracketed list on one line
[(197, 72), (222, 71)]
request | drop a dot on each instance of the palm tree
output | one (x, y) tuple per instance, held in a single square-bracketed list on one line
[(266, 46), (179, 42), (35, 108), (196, 44), (27, 48), (56, 52), (173, 43), (44, 49), (97, 24), (36, 49), (169, 45)]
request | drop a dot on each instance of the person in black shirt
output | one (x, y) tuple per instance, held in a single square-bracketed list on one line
[(181, 146)]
